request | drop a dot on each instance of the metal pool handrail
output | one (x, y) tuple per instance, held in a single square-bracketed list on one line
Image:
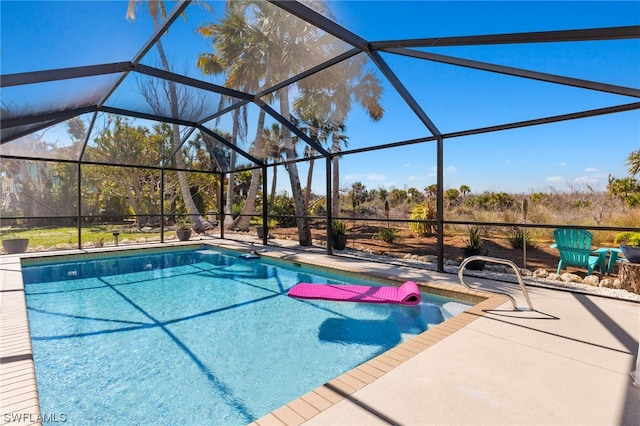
[(504, 262)]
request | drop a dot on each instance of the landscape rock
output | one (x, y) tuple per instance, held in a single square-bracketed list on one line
[(540, 273), (591, 280), (571, 278), (606, 283), (554, 277), (526, 272)]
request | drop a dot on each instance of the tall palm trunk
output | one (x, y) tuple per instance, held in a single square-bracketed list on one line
[(228, 209), (243, 222), (304, 230), (274, 181), (307, 192), (190, 206), (335, 178)]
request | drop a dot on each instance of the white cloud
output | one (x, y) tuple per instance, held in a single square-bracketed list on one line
[(555, 179), (590, 170), (585, 180), (376, 177), (562, 164), (451, 169), (353, 177)]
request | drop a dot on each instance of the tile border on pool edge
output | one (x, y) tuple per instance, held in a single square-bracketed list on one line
[(313, 403), (19, 402)]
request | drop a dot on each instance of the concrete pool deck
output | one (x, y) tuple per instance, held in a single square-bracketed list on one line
[(567, 363)]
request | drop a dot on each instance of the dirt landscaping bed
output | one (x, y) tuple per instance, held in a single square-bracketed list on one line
[(362, 238)]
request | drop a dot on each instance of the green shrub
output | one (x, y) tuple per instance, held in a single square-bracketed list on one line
[(388, 235), (236, 209), (283, 206), (517, 238), (257, 221)]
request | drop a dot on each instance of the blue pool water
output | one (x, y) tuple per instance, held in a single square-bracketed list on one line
[(197, 337)]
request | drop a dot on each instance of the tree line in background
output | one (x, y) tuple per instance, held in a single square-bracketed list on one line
[(111, 193), (254, 47)]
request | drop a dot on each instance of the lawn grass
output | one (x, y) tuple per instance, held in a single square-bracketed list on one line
[(53, 236)]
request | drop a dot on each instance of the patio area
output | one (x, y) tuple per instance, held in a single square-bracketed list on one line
[(566, 363)]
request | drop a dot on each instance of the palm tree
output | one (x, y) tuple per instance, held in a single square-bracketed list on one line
[(238, 56), (633, 162), (337, 89), (431, 190), (273, 138), (464, 190), (317, 129), (157, 11), (287, 46)]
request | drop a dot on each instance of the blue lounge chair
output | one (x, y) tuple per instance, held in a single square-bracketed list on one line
[(574, 246)]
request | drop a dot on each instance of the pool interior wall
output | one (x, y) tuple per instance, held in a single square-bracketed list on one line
[(376, 366)]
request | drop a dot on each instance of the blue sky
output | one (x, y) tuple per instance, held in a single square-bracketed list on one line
[(562, 156)]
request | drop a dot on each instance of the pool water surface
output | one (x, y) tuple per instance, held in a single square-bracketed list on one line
[(198, 336)]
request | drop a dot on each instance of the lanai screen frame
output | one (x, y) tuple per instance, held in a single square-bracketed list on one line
[(359, 45)]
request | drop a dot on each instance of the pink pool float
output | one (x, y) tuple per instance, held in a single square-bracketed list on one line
[(407, 294)]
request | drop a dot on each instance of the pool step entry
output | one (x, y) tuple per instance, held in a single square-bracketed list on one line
[(470, 259)]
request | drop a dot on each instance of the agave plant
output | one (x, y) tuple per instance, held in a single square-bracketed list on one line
[(475, 240)]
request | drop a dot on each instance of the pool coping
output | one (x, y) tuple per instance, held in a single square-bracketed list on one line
[(19, 401)]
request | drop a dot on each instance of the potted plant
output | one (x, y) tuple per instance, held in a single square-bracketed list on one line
[(630, 245), (474, 246), (271, 224), (183, 229), (339, 234), (14, 245)]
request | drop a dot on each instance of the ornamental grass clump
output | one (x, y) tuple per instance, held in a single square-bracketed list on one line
[(388, 235), (338, 227), (517, 238)]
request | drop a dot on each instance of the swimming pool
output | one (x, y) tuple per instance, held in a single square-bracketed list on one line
[(196, 336)]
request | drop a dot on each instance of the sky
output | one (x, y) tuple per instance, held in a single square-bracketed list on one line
[(574, 155)]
